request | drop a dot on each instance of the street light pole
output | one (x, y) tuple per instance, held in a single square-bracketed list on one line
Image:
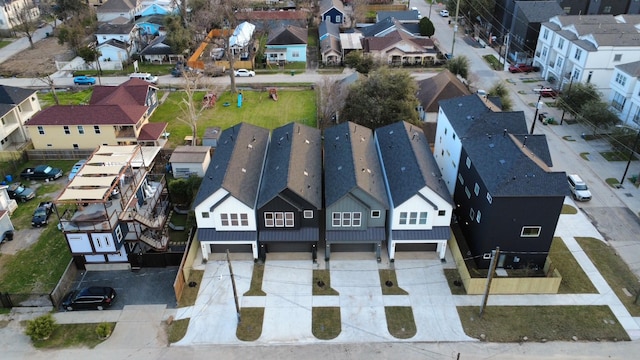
[(538, 105), (635, 145), (430, 5), (455, 27)]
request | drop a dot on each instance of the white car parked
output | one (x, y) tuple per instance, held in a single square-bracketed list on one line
[(244, 73), (444, 13)]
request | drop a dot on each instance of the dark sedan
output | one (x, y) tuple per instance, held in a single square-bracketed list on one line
[(19, 192), (41, 172)]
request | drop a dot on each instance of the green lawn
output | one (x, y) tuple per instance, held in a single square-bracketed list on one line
[(71, 336), (4, 43), (257, 109)]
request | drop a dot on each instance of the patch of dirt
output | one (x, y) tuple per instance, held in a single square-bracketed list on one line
[(40, 60)]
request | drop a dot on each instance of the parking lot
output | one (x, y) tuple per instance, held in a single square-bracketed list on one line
[(141, 287)]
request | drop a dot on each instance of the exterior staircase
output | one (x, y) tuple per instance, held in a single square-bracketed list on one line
[(153, 223), (160, 245)]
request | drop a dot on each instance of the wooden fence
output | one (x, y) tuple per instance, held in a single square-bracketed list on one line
[(186, 266), (505, 285)]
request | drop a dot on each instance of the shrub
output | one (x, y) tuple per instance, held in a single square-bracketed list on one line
[(103, 330), (41, 327)]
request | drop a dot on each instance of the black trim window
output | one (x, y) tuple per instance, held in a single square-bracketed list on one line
[(80, 129), (205, 214), (41, 130), (530, 231), (66, 130), (375, 214), (96, 129)]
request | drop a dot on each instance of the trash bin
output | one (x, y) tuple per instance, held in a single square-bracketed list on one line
[(46, 34), (8, 178), (8, 235), (293, 72)]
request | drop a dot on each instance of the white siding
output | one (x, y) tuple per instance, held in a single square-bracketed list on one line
[(447, 151), (103, 242), (79, 243)]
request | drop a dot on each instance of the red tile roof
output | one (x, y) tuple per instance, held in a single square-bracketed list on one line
[(151, 131), (133, 91)]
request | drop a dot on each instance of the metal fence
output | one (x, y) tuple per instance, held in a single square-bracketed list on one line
[(8, 300)]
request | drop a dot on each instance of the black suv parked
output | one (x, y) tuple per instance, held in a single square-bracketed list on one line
[(94, 297)]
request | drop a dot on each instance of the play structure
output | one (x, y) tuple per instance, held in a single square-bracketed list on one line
[(273, 93), (209, 100)]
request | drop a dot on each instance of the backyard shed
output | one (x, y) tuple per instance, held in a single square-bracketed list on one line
[(190, 160), (211, 136)]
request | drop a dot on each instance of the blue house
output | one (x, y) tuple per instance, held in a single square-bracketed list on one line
[(151, 26), (355, 197), (288, 44), (290, 197), (332, 11), (154, 9)]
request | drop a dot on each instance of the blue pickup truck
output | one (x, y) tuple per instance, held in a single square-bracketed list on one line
[(42, 213)]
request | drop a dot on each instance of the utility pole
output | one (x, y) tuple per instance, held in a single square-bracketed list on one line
[(455, 28), (492, 268), (233, 285)]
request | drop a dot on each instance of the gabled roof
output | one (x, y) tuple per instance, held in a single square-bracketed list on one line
[(116, 6), (288, 35), (114, 29), (381, 26), (443, 86), (152, 19), (420, 45), (326, 5), (350, 162), (471, 116), (632, 68), (408, 162), (131, 92), (237, 164), (10, 97), (514, 165), (328, 28), (294, 162), (159, 46), (328, 44), (539, 11), (115, 43)]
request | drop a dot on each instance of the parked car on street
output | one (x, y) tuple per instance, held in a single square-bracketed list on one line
[(76, 167), (244, 73), (42, 213), (444, 13), (578, 188), (41, 172), (94, 297), (84, 80), (19, 192), (522, 68), (547, 92)]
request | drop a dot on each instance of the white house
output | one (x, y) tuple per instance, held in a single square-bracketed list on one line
[(190, 161), (6, 203), (17, 106), (115, 10), (624, 98), (586, 48), (14, 12), (226, 203), (420, 204)]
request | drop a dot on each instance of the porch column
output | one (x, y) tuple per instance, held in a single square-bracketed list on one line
[(327, 252), (205, 247)]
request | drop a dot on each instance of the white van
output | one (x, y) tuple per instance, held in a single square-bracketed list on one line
[(144, 76)]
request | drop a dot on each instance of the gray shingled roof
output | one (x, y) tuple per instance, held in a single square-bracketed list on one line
[(328, 28), (470, 116), (351, 161), (382, 25), (294, 162), (237, 163), (632, 68), (539, 11), (508, 166), (408, 162), (288, 35), (10, 97)]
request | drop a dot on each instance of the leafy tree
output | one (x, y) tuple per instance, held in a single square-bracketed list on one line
[(360, 63), (597, 114), (572, 99), (426, 27), (179, 37), (65, 9), (624, 139), (382, 98), (182, 191), (459, 65), (500, 90)]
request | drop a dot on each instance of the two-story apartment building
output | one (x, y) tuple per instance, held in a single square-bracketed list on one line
[(504, 191), (114, 210), (586, 48), (355, 197), (226, 203), (115, 115), (15, 12), (624, 97), (17, 106), (290, 198), (420, 205)]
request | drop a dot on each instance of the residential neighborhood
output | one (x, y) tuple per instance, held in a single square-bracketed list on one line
[(201, 174)]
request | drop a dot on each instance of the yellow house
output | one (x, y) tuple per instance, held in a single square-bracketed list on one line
[(115, 115)]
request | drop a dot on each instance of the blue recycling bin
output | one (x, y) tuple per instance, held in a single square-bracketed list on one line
[(8, 178)]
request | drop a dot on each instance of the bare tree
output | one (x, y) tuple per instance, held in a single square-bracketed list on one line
[(358, 11), (191, 110), (48, 80), (25, 22), (333, 94)]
